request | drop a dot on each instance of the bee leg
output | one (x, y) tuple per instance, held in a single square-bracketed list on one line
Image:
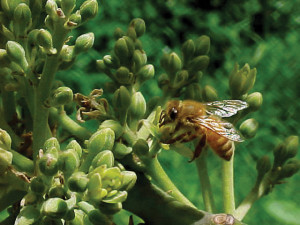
[(200, 146)]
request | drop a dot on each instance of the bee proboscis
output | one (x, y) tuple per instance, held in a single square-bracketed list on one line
[(183, 121)]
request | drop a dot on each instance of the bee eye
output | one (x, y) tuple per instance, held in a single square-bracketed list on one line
[(173, 113)]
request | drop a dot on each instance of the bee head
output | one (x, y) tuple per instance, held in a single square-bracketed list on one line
[(170, 114)]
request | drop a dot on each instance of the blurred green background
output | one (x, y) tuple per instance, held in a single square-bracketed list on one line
[(265, 34)]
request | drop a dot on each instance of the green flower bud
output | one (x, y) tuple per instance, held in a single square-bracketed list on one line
[(181, 78), (131, 33), (138, 45), (5, 140), (174, 64), (88, 10), (84, 42), (74, 145), (139, 26), (49, 22), (101, 140), (69, 161), (97, 217), (48, 164), (54, 208), (78, 182), (61, 96), (68, 6), (51, 143), (289, 169), (32, 37), (193, 91), (129, 179), (102, 67), (118, 33), (248, 128), (124, 76), (5, 160), (73, 21), (120, 150), (263, 166), (44, 39), (188, 50), (50, 221), (9, 6), (291, 145), (202, 45), (22, 20), (67, 54), (163, 80), (16, 53), (209, 94), (57, 191), (280, 155), (37, 185), (29, 214), (121, 49), (254, 101), (110, 208), (51, 9), (111, 61), (140, 148), (114, 125), (146, 73), (4, 59), (137, 107), (105, 157), (120, 196), (139, 58), (199, 63), (122, 99), (94, 185), (251, 77)]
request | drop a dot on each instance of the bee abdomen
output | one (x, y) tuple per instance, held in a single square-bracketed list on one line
[(222, 146)]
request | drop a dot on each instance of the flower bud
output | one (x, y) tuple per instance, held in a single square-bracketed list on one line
[(101, 140), (16, 53), (73, 21), (139, 58), (88, 10), (9, 6), (146, 73), (97, 217), (51, 143), (37, 185), (137, 107), (250, 80), (129, 179), (209, 94), (111, 61), (105, 157), (121, 49), (163, 80), (291, 145), (48, 164), (202, 45), (54, 208), (51, 9), (124, 76), (68, 6), (248, 128), (84, 42), (254, 101), (67, 53), (280, 155), (69, 161), (114, 125), (140, 148), (74, 145), (5, 140), (120, 196), (174, 64), (181, 78), (122, 99), (22, 20), (120, 150), (188, 50), (131, 33), (44, 39), (199, 63), (139, 26), (263, 166), (109, 208), (4, 59), (289, 169), (118, 33), (193, 91), (5, 160), (78, 182), (29, 214), (61, 96)]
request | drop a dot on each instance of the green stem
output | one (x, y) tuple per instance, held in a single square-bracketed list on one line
[(22, 163), (41, 130), (70, 125), (207, 194), (9, 106), (228, 186), (246, 204), (155, 170)]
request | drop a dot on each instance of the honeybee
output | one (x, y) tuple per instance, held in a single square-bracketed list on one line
[(183, 121)]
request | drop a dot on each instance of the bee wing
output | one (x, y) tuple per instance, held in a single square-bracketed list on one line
[(220, 127), (225, 108)]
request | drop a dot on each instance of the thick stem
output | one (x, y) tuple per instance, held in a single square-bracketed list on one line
[(207, 194), (158, 174), (246, 204), (228, 186), (41, 130), (70, 125), (9, 106), (22, 163)]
